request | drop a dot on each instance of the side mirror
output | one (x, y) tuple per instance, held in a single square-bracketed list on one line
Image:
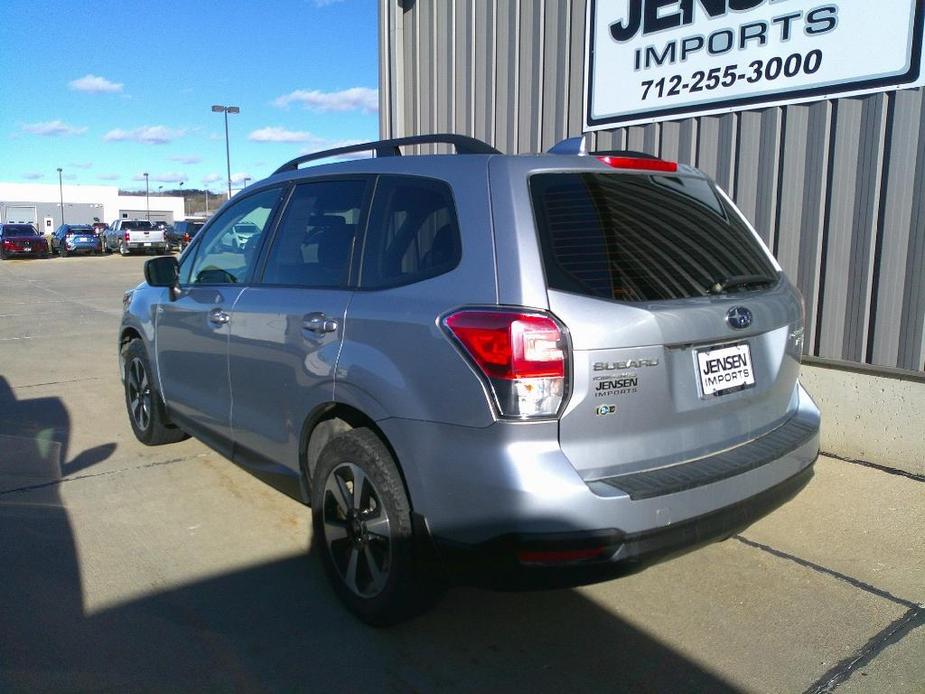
[(164, 271)]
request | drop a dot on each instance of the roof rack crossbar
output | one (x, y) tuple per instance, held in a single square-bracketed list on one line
[(390, 148)]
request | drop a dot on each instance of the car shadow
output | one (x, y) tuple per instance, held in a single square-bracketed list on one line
[(277, 625)]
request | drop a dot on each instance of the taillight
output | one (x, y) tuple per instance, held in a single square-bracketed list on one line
[(126, 236), (643, 163), (186, 237), (522, 357)]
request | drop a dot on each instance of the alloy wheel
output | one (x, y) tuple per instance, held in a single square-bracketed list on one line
[(356, 530), (139, 394)]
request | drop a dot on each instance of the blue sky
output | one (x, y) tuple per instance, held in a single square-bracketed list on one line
[(107, 90)]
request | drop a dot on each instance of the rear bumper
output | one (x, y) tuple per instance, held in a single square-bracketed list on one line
[(541, 561), (146, 245), (490, 494)]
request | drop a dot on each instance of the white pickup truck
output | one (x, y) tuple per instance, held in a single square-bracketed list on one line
[(128, 235)]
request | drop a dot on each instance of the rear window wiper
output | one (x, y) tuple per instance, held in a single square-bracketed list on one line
[(735, 281)]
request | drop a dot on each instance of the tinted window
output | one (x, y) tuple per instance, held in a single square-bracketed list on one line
[(641, 237), (223, 256), (19, 230), (315, 238), (412, 234), (137, 225)]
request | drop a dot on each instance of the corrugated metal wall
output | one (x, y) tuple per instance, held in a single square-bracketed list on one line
[(836, 188)]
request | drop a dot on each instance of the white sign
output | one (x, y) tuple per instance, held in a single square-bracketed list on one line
[(725, 368), (650, 60)]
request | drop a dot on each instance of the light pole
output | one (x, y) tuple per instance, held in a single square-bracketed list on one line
[(207, 201), (61, 193), (147, 200), (226, 110), (246, 180), (180, 183)]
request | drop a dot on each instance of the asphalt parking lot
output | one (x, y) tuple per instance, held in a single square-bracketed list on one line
[(131, 568)]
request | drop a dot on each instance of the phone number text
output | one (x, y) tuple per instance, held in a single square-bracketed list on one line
[(724, 77)]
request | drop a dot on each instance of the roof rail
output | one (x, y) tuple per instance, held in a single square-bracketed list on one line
[(390, 148)]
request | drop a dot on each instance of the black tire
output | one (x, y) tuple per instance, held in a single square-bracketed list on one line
[(404, 588), (146, 412), (123, 249), (62, 252)]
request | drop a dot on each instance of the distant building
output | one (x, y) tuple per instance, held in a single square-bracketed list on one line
[(40, 204)]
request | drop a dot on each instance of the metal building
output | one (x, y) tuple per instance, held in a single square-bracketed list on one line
[(836, 187)]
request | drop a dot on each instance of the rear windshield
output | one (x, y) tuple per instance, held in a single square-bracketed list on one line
[(80, 230), (138, 226), (643, 237), (19, 230)]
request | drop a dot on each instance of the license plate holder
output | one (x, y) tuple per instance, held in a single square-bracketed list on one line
[(725, 369)]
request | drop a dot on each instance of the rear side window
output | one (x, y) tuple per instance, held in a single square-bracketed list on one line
[(314, 241), (412, 234), (633, 237)]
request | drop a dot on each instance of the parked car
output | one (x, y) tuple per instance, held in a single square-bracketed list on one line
[(513, 371), (74, 239), (21, 239), (180, 235), (129, 235)]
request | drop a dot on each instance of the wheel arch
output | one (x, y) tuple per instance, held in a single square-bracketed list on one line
[(329, 420)]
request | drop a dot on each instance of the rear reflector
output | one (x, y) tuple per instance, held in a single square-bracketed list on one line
[(562, 556), (641, 163), (521, 356)]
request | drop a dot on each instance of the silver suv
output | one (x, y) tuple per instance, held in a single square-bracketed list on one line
[(512, 371)]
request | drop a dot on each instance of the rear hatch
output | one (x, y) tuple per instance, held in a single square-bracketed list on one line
[(686, 337)]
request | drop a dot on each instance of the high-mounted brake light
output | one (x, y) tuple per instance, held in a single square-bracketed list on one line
[(522, 357), (640, 163)]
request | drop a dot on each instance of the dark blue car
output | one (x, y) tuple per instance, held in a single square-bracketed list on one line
[(70, 239)]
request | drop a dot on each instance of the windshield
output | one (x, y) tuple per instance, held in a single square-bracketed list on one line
[(635, 237), (19, 230), (80, 230), (138, 225)]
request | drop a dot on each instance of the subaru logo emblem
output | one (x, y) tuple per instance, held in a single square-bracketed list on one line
[(739, 317)]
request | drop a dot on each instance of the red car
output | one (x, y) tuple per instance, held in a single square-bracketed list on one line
[(21, 239)]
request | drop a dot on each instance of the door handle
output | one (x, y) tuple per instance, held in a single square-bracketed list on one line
[(318, 323), (218, 317)]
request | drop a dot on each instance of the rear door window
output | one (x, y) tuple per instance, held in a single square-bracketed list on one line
[(413, 233), (641, 237)]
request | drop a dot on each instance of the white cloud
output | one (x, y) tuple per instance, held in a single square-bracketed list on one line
[(109, 177), (33, 175), (354, 99), (325, 3), (147, 134), (95, 85), (81, 164), (334, 144), (166, 177), (278, 134), (53, 128), (211, 178), (190, 159), (169, 177), (240, 176)]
